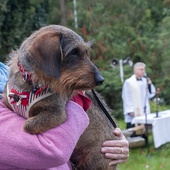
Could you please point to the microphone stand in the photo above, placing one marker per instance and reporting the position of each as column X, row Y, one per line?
column 146, row 119
column 157, row 92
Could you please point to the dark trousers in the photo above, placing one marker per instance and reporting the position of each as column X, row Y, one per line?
column 129, row 125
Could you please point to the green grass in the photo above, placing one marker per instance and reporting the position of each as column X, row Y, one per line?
column 158, row 159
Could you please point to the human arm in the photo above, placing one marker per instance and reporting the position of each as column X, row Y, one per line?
column 151, row 91
column 3, row 76
column 117, row 150
column 50, row 149
column 151, row 88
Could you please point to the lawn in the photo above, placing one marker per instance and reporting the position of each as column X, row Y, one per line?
column 144, row 158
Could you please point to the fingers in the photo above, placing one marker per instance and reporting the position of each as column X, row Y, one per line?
column 116, row 157
column 116, row 150
column 117, row 132
column 119, row 155
column 116, row 143
column 114, row 162
column 122, row 142
column 116, row 153
column 111, row 153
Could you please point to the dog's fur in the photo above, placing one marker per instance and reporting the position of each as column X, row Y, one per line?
column 58, row 57
column 87, row 154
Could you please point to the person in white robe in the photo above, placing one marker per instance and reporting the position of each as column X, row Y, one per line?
column 136, row 93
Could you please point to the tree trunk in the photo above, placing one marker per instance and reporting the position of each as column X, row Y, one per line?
column 63, row 12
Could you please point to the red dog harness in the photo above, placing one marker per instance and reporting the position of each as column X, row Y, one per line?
column 22, row 101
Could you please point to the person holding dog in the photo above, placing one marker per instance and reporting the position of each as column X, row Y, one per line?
column 53, row 148
column 136, row 92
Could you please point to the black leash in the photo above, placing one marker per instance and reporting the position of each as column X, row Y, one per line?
column 104, row 109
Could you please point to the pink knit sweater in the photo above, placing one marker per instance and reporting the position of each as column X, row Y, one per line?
column 48, row 151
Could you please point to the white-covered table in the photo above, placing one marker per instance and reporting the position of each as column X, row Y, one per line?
column 160, row 126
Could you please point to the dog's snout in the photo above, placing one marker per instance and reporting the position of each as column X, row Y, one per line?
column 99, row 79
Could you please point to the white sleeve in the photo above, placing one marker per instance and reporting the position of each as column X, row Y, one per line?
column 153, row 92
column 127, row 98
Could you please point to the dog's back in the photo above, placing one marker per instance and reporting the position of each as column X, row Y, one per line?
column 87, row 154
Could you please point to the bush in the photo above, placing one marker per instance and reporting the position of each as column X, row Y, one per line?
column 111, row 90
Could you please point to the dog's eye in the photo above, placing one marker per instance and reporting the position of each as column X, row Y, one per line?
column 74, row 51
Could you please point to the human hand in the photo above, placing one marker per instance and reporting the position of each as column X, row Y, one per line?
column 117, row 150
column 149, row 81
column 131, row 114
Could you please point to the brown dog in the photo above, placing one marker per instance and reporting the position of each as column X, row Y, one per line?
column 45, row 72
column 86, row 155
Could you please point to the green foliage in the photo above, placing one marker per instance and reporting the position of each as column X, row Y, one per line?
column 19, row 19
column 111, row 89
column 139, row 29
column 120, row 29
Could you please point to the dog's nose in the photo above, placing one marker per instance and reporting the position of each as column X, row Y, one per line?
column 99, row 79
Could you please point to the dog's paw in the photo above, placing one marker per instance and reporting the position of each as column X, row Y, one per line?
column 31, row 127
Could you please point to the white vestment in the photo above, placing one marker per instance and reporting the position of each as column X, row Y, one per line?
column 136, row 95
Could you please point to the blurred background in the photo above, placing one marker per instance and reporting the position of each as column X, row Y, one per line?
column 120, row 29
column 123, row 31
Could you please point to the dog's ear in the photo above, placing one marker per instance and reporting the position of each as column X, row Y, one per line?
column 46, row 53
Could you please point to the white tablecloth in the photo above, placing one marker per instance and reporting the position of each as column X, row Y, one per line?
column 160, row 126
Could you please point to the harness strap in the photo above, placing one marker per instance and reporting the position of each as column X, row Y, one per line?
column 9, row 97
column 37, row 99
column 104, row 109
column 23, row 108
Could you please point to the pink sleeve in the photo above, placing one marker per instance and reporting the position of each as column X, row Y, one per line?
column 50, row 149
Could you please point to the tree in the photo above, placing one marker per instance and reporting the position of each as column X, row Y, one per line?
column 120, row 29
column 19, row 19
column 63, row 12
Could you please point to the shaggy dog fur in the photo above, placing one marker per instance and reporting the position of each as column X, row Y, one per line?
column 55, row 60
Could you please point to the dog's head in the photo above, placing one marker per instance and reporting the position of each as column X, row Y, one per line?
column 60, row 57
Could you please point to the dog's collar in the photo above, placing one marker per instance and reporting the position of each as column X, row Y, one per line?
column 26, row 74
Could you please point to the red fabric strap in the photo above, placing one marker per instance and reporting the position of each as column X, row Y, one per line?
column 82, row 100
column 23, row 97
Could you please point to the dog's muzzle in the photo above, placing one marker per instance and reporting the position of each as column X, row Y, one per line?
column 98, row 79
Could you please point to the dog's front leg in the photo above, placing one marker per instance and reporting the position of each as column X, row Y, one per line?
column 44, row 121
